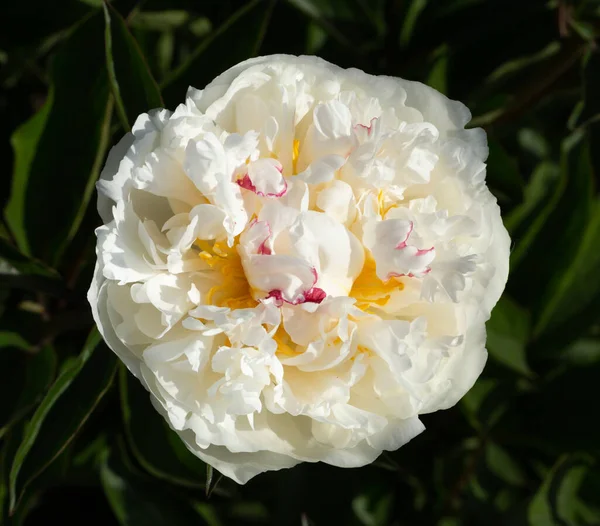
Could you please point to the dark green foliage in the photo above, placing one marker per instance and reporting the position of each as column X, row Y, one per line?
column 79, row 439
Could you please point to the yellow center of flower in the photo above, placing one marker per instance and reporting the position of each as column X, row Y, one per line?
column 285, row 345
column 233, row 290
column 295, row 155
column 383, row 204
column 369, row 291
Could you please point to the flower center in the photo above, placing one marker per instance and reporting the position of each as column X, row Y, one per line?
column 369, row 291
column 285, row 345
column 233, row 290
column 295, row 155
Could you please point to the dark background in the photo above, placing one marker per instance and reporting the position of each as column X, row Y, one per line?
column 79, row 440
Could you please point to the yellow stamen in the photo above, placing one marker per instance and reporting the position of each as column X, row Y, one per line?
column 381, row 204
column 295, row 155
column 369, row 291
column 233, row 290
column 284, row 342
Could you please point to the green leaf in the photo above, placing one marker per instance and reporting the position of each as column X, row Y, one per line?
column 14, row 261
column 438, row 74
column 156, row 447
column 579, row 285
column 136, row 500
column 200, row 27
column 485, row 403
column 61, row 414
column 13, row 339
column 559, row 238
column 24, row 142
column 239, row 38
column 526, row 220
column 60, row 150
column 132, row 84
column 575, row 282
column 211, row 481
column 533, row 142
column 324, row 12
column 24, row 379
column 507, row 335
column 581, row 352
column 503, row 465
column 414, row 10
column 591, row 88
column 159, row 20
column 524, row 63
column 373, row 510
column 165, row 48
column 503, row 175
column 557, row 501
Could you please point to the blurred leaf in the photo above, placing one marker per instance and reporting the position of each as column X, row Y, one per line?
column 533, row 142
column 165, row 48
column 580, row 283
column 410, row 19
column 24, row 378
column 156, row 447
column 507, row 335
column 540, row 197
column 581, row 352
column 249, row 511
column 37, row 284
column 209, row 514
column 132, row 84
column 23, row 30
column 136, row 500
column 530, row 90
column 13, row 339
column 159, row 20
column 24, row 142
column 522, row 63
column 10, row 444
column 503, row 172
column 60, row 150
column 438, row 74
column 21, row 264
column 591, row 88
column 200, row 27
column 323, row 9
column 576, row 282
column 91, row 456
column 503, row 465
column 323, row 12
column 211, row 481
column 558, row 235
column 316, row 37
column 485, row 403
column 239, row 38
column 556, row 501
column 373, row 510
column 62, row 413
column 569, row 392
column 585, row 31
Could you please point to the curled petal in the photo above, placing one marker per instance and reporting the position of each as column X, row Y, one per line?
column 264, row 178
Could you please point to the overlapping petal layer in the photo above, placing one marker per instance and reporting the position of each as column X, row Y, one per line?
column 298, row 262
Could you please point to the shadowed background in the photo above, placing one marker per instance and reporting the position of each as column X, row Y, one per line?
column 79, row 440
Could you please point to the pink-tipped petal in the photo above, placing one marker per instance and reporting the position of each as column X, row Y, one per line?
column 256, row 237
column 314, row 295
column 264, row 178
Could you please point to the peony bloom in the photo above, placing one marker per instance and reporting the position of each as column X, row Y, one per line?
column 298, row 262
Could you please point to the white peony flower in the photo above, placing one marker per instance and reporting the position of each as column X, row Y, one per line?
column 298, row 262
